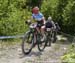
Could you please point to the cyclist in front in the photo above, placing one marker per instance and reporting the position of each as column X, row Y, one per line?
column 39, row 18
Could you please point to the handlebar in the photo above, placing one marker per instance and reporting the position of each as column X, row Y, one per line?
column 28, row 22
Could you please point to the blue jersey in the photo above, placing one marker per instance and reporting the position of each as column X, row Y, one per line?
column 37, row 16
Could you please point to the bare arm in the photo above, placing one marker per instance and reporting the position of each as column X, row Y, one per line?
column 53, row 24
column 43, row 18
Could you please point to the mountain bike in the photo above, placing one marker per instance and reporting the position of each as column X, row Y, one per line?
column 32, row 38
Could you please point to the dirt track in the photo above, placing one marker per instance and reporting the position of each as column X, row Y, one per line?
column 13, row 54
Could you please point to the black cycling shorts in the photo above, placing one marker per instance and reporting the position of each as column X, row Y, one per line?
column 39, row 23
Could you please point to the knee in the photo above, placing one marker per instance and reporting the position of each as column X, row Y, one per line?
column 43, row 27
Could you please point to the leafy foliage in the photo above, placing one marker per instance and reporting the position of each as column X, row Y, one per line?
column 13, row 13
column 69, row 57
column 12, row 17
column 62, row 11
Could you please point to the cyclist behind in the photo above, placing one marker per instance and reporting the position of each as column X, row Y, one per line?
column 39, row 18
column 50, row 23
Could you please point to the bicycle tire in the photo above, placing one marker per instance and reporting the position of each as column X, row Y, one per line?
column 48, row 42
column 54, row 37
column 23, row 42
column 39, row 43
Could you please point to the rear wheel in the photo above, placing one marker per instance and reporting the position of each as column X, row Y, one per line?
column 41, row 44
column 27, row 43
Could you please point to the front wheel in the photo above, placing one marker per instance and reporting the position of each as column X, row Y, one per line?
column 48, row 35
column 27, row 43
column 54, row 36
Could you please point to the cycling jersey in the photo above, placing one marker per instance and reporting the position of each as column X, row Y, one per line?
column 38, row 16
column 49, row 24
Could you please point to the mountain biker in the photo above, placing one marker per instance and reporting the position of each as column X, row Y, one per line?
column 50, row 23
column 39, row 18
column 57, row 27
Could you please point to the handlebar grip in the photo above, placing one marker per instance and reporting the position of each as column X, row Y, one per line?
column 27, row 22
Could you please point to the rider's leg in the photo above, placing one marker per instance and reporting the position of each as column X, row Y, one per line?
column 43, row 32
column 42, row 29
column 37, row 28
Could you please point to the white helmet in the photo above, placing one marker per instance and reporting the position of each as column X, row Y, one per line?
column 49, row 18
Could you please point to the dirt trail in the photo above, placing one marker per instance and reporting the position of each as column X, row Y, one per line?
column 13, row 54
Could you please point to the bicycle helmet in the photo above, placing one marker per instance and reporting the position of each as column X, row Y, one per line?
column 35, row 10
column 49, row 18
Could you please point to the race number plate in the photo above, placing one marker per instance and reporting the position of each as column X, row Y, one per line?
column 48, row 29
